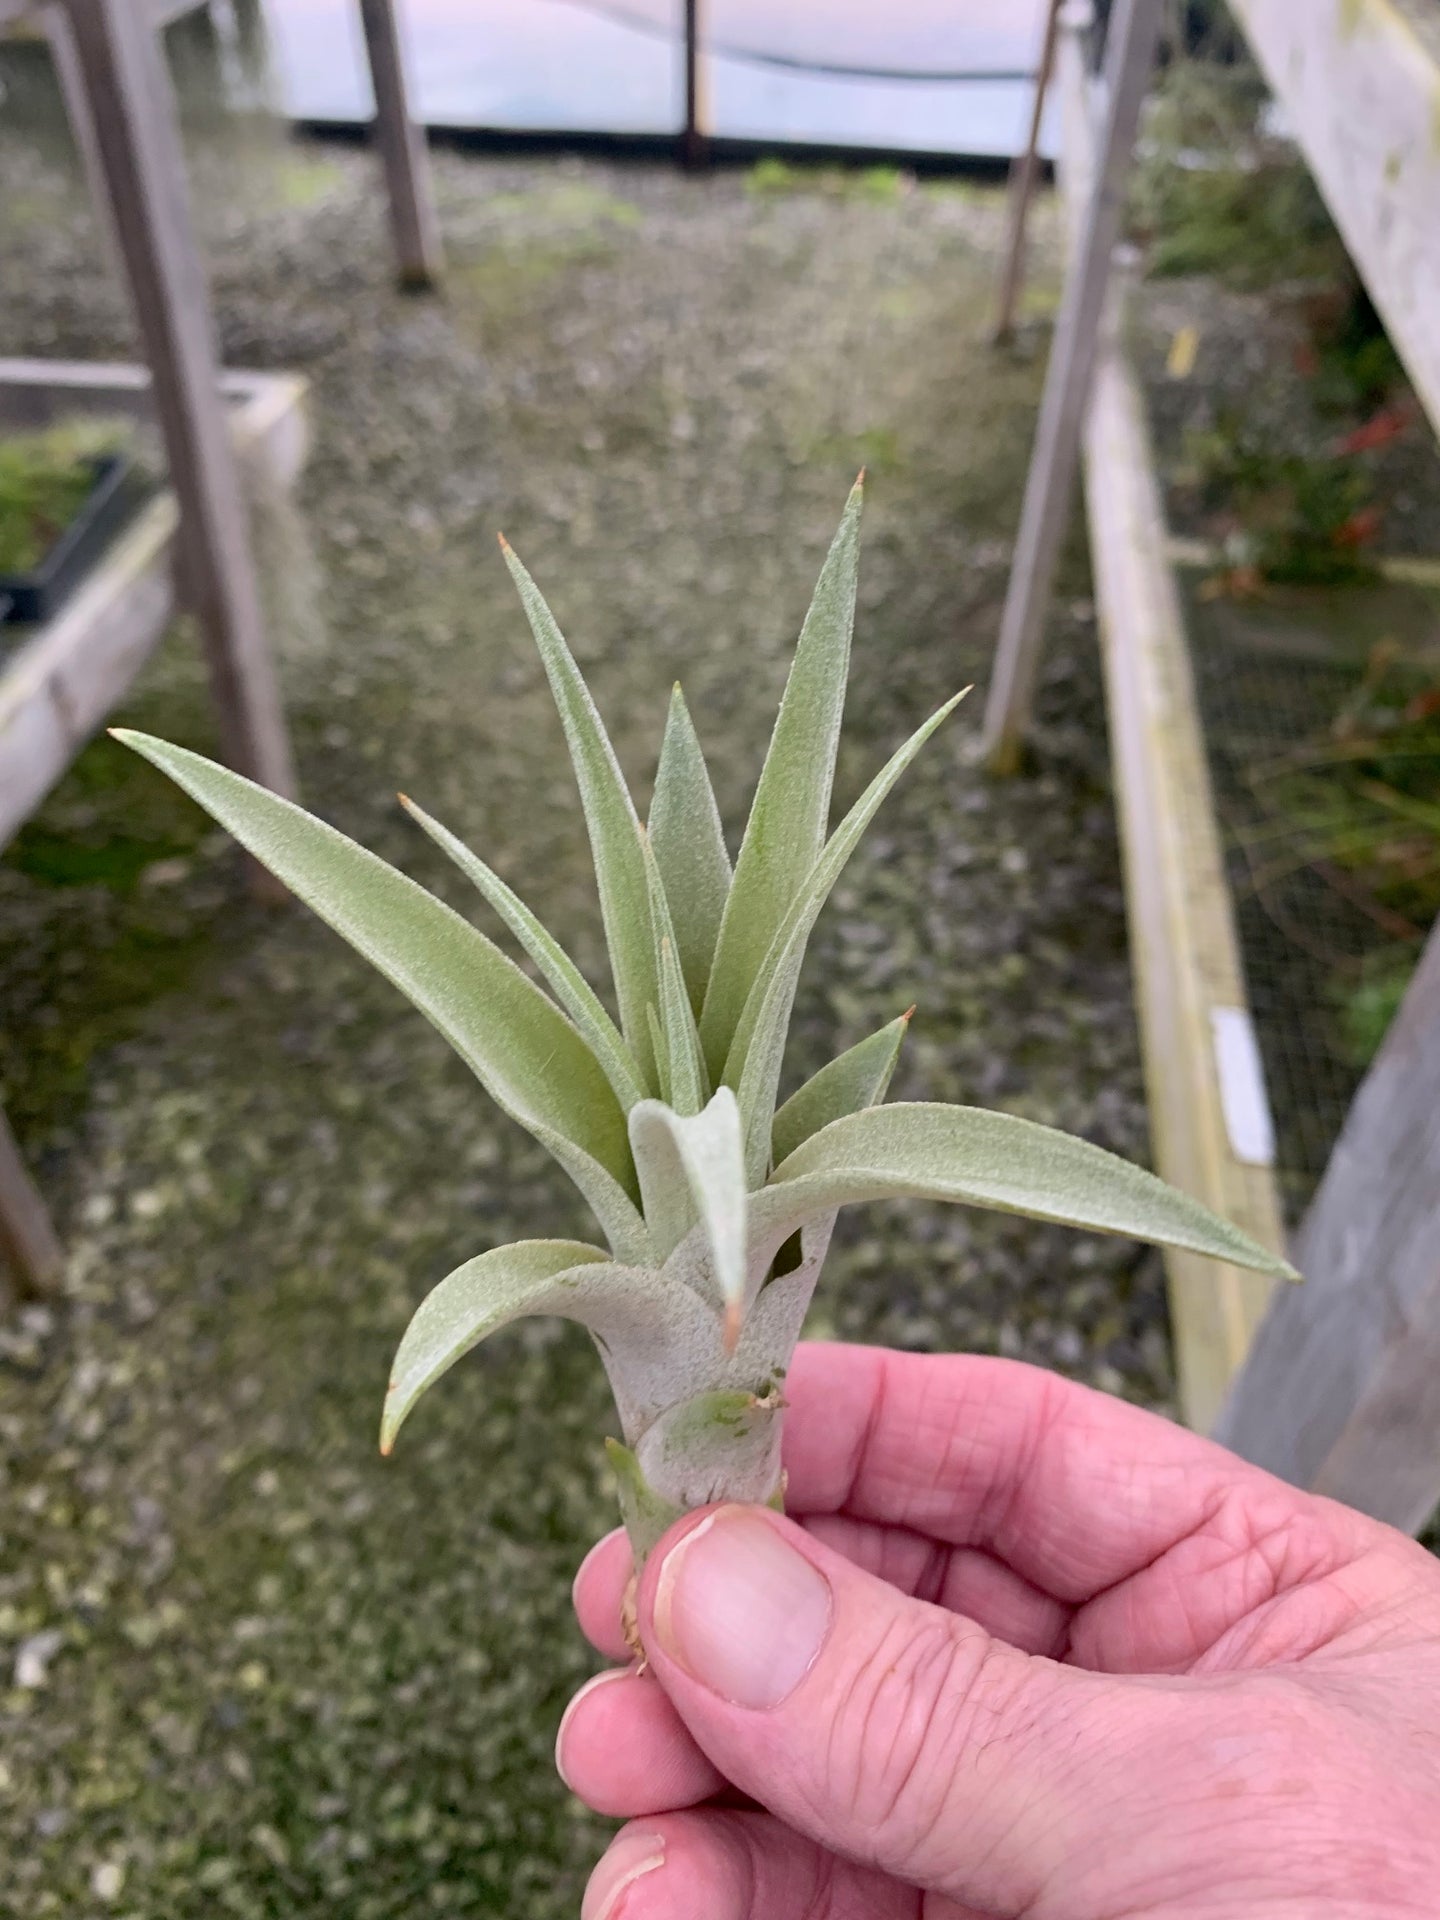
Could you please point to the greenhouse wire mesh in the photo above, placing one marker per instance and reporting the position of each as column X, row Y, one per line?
column 1274, row 695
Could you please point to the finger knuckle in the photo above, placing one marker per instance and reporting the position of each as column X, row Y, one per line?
column 917, row 1709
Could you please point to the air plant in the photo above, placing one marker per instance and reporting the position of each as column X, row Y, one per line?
column 716, row 1204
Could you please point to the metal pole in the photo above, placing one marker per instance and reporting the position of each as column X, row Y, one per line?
column 1023, row 176
column 694, row 146
column 413, row 222
column 1050, row 486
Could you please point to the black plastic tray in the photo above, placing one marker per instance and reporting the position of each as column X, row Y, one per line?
column 37, row 595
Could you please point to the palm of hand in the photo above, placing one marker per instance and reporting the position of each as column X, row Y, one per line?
column 1174, row 1688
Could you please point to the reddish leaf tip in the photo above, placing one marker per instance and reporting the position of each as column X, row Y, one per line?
column 734, row 1316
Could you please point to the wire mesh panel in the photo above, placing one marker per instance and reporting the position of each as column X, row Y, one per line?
column 1319, row 722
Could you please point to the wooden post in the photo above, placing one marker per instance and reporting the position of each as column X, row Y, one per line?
column 694, row 143
column 1049, row 488
column 1023, row 176
column 28, row 1246
column 1342, row 1389
column 1359, row 84
column 82, row 130
column 138, row 141
column 401, row 141
column 1205, row 1094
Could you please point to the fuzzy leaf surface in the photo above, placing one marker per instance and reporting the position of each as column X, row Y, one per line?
column 695, row 1160
column 720, row 1445
column 647, row 1515
column 683, row 1080
column 791, row 808
column 563, row 1277
column 611, row 822
column 984, row 1159
column 689, row 846
column 517, row 1042
column 758, row 1051
column 565, row 979
column 854, row 1079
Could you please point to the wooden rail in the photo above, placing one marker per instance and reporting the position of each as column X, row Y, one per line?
column 69, row 674
column 1209, row 1120
column 1050, row 483
column 1342, row 1390
column 1359, row 81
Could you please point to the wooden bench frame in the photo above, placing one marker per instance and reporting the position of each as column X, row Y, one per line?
column 1335, row 1384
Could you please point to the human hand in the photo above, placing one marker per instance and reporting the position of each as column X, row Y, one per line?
column 1020, row 1649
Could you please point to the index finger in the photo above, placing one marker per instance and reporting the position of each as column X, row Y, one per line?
column 1068, row 1486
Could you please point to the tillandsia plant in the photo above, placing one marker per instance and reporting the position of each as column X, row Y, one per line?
column 716, row 1203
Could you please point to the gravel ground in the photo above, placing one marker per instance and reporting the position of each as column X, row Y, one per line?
column 249, row 1668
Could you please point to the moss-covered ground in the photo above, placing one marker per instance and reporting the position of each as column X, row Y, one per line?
column 248, row 1668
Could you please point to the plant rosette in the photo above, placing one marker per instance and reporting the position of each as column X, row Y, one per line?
column 716, row 1203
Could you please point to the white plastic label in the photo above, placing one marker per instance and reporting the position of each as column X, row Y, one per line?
column 1242, row 1087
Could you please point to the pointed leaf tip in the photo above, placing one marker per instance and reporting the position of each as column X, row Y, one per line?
column 791, row 807
column 975, row 1157
column 510, row 1034
column 734, row 1321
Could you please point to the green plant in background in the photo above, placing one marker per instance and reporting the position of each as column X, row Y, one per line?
column 1369, row 1004
column 1357, row 806
column 1214, row 191
column 45, row 478
column 716, row 1201
column 1294, row 516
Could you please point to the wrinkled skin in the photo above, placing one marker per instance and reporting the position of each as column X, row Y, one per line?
column 1046, row 1656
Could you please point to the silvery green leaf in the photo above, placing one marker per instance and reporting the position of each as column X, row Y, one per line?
column 565, row 979
column 611, row 821
column 689, row 1086
column 720, row 1445
column 791, row 808
column 677, row 1348
column 758, row 1050
column 620, row 1219
column 689, row 846
column 854, row 1079
column 976, row 1158
column 517, row 1042
column 697, row 1159
column 562, row 1277
column 662, row 1052
column 647, row 1514
column 682, row 1071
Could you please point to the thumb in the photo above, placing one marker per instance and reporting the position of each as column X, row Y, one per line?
column 889, row 1730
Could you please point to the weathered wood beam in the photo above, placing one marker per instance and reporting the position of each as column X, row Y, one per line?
column 1359, row 82
column 1341, row 1392
column 82, row 128
column 29, row 1249
column 69, row 675
column 694, row 140
column 1205, row 1094
column 134, row 117
column 1050, row 486
column 401, row 140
